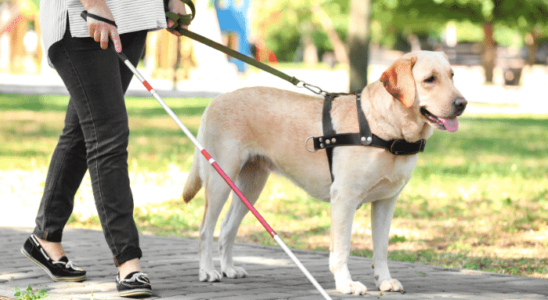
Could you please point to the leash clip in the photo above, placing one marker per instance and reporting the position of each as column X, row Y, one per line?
column 314, row 89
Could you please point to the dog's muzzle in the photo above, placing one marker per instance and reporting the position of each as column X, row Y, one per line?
column 459, row 104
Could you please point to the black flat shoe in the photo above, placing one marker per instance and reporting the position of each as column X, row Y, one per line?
column 135, row 284
column 61, row 270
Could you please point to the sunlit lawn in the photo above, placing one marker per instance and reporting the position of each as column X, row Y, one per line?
column 478, row 198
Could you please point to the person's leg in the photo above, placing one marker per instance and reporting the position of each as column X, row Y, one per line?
column 97, row 82
column 67, row 168
column 133, row 48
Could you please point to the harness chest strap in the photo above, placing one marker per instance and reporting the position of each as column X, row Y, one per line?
column 396, row 147
column 331, row 139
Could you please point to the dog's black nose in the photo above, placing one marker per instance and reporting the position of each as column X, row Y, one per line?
column 460, row 104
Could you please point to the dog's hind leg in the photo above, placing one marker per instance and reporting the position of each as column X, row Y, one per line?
column 250, row 181
column 216, row 194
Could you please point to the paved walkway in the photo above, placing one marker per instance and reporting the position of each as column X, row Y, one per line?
column 172, row 265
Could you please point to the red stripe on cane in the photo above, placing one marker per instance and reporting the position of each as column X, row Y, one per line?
column 206, row 155
column 148, row 86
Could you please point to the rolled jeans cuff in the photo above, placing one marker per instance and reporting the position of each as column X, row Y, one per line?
column 49, row 236
column 128, row 254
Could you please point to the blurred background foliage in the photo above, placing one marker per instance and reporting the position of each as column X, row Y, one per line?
column 284, row 23
column 27, row 7
column 291, row 29
column 287, row 21
column 393, row 21
column 493, row 33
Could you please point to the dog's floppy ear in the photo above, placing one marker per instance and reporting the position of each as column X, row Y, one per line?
column 399, row 82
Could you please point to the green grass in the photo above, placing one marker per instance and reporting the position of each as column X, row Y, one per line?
column 478, row 198
column 35, row 122
column 29, row 294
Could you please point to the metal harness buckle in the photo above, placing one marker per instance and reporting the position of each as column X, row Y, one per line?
column 306, row 145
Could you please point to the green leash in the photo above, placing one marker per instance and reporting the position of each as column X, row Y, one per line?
column 184, row 20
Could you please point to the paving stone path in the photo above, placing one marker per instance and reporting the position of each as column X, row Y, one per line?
column 172, row 265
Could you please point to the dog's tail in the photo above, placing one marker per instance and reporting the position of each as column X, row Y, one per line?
column 193, row 182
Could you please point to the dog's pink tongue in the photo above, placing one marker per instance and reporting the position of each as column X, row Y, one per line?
column 452, row 125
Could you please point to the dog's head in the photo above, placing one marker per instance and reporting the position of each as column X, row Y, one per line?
column 423, row 80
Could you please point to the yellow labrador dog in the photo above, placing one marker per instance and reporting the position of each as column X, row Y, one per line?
column 255, row 131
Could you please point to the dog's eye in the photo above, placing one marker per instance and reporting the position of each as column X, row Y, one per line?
column 430, row 79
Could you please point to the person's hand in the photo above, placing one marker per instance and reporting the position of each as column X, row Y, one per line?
column 101, row 31
column 178, row 7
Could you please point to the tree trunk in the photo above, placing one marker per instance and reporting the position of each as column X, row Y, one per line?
column 531, row 39
column 338, row 46
column 358, row 43
column 310, row 55
column 17, row 48
column 39, row 49
column 176, row 65
column 414, row 41
column 489, row 53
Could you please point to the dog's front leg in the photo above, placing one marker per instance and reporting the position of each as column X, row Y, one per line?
column 381, row 217
column 342, row 215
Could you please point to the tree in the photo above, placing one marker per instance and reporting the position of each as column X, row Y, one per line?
column 358, row 43
column 325, row 21
column 338, row 46
column 486, row 13
column 508, row 12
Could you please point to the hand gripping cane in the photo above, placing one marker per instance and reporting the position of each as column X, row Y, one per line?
column 210, row 159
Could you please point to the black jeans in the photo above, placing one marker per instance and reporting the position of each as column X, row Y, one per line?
column 95, row 137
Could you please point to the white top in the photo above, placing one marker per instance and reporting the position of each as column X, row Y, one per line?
column 129, row 15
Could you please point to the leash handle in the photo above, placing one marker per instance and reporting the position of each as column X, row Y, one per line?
column 182, row 20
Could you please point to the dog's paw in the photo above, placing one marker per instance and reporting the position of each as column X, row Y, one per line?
column 391, row 285
column 234, row 272
column 211, row 276
column 352, row 287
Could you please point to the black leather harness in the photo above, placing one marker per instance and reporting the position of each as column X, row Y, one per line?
column 331, row 139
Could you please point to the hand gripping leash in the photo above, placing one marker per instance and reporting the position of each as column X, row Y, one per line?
column 210, row 159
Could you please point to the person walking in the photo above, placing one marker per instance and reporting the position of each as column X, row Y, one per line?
column 95, row 134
